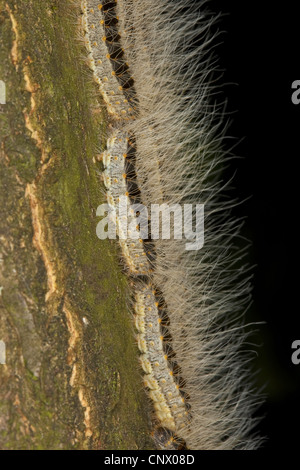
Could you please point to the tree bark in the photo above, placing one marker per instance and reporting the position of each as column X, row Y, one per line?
column 71, row 378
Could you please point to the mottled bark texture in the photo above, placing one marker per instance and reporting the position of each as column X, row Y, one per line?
column 71, row 378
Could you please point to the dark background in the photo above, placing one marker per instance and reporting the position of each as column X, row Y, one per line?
column 259, row 54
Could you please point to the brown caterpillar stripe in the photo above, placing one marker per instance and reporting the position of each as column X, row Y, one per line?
column 115, row 181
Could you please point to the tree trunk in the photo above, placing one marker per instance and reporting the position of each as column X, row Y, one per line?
column 70, row 378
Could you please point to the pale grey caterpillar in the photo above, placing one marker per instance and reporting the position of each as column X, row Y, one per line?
column 150, row 60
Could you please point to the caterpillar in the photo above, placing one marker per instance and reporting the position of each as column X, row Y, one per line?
column 151, row 63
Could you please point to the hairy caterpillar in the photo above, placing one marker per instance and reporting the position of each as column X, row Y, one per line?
column 103, row 59
column 162, row 147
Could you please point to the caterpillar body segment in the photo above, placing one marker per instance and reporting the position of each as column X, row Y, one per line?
column 124, row 13
column 159, row 378
column 100, row 62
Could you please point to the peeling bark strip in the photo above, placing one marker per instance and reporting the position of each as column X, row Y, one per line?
column 70, row 380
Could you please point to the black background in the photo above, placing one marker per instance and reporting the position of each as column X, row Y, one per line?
column 260, row 59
